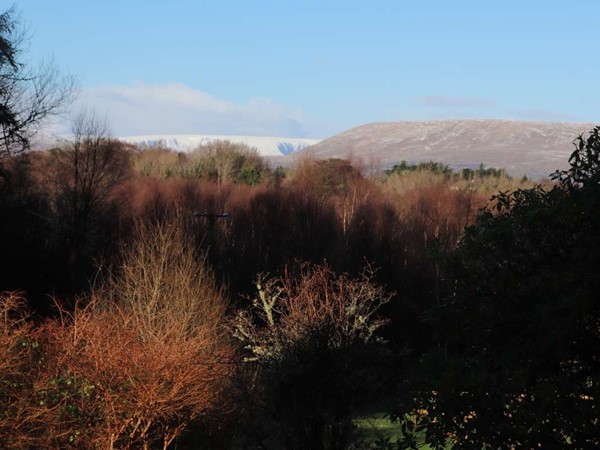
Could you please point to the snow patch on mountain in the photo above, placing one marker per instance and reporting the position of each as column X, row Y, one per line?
column 266, row 145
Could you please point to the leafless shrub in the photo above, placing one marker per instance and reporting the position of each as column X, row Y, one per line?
column 125, row 391
column 287, row 311
column 170, row 293
column 314, row 337
column 13, row 328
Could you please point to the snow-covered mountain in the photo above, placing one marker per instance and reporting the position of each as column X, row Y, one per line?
column 533, row 148
column 266, row 145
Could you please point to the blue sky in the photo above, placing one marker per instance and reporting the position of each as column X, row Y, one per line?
column 315, row 68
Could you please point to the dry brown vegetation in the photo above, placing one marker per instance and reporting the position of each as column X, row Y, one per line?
column 137, row 353
column 133, row 392
column 16, row 339
column 131, row 366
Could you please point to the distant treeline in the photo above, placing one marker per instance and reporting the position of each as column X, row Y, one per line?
column 67, row 209
column 445, row 170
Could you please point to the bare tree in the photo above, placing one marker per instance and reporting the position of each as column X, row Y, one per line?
column 28, row 95
column 83, row 176
column 85, row 172
column 91, row 165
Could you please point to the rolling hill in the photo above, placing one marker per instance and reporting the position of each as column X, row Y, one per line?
column 533, row 148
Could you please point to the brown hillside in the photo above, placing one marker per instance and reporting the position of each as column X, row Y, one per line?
column 533, row 148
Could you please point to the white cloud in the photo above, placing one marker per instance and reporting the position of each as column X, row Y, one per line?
column 142, row 109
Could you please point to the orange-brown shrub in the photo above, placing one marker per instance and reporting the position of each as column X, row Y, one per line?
column 131, row 366
column 17, row 346
column 118, row 389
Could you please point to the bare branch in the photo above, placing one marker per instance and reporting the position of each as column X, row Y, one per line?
column 28, row 96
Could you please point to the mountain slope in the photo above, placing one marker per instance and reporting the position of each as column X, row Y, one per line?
column 533, row 148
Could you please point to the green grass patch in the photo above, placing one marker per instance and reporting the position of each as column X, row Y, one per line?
column 377, row 431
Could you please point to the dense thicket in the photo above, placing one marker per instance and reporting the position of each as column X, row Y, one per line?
column 501, row 327
column 75, row 206
column 517, row 363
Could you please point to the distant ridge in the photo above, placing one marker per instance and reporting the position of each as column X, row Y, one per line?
column 266, row 145
column 533, row 148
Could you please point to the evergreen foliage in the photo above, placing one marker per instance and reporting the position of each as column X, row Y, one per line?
column 517, row 363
